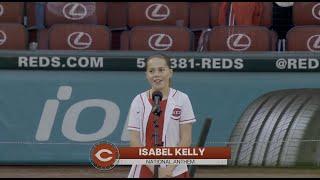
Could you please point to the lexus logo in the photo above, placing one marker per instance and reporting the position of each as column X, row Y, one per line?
column 238, row 42
column 3, row 37
column 316, row 11
column 79, row 40
column 157, row 12
column 74, row 11
column 160, row 42
column 1, row 10
column 313, row 43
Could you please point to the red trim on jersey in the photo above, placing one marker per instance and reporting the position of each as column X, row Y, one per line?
column 142, row 119
column 187, row 120
column 133, row 127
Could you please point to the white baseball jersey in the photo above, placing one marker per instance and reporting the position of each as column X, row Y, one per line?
column 178, row 111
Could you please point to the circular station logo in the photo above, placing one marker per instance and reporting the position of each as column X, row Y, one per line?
column 104, row 156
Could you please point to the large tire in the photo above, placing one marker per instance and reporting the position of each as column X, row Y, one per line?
column 280, row 128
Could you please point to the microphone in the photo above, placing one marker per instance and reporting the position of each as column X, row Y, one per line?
column 156, row 97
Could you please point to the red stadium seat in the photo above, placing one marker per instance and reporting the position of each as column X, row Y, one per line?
column 199, row 15
column 266, row 17
column 75, row 12
column 158, row 13
column 304, row 38
column 241, row 38
column 306, row 13
column 117, row 20
column 157, row 38
column 214, row 13
column 11, row 12
column 76, row 37
column 117, row 13
column 267, row 14
column 13, row 36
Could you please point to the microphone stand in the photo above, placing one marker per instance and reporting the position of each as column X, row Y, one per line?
column 156, row 113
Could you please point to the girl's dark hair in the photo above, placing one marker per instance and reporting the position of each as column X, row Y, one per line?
column 160, row 56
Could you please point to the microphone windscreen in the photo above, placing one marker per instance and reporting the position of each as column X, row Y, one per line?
column 158, row 94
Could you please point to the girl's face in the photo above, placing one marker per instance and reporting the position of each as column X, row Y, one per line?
column 158, row 73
